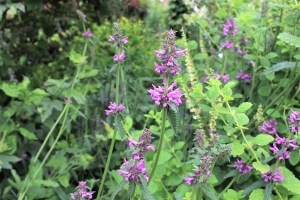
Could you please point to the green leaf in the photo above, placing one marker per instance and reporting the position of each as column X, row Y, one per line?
column 28, row 134
column 237, row 149
column 46, row 183
column 260, row 167
column 131, row 189
column 89, row 73
column 271, row 55
column 64, row 179
column 10, row 90
column 179, row 145
column 222, row 110
column 233, row 195
column 6, row 160
column 290, row 182
column 209, row 193
column 117, row 190
column 172, row 118
column 263, row 139
column 244, row 107
column 253, row 186
column 119, row 126
column 290, row 39
column 192, row 45
column 257, row 194
column 294, row 158
column 164, row 157
column 280, row 66
column 241, row 119
column 77, row 58
column 268, row 191
column 145, row 190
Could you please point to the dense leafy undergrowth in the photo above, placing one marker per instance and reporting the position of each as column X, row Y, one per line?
column 123, row 111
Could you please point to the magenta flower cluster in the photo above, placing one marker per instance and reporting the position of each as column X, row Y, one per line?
column 135, row 169
column 271, row 176
column 294, row 121
column 269, row 127
column 87, row 33
column 82, row 193
column 119, row 41
column 242, row 167
column 168, row 56
column 223, row 78
column 162, row 97
column 281, row 145
column 113, row 108
column 244, row 77
column 229, row 28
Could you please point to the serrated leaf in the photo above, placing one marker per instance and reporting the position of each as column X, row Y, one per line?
column 290, row 39
column 119, row 127
column 172, row 117
column 10, row 90
column 253, row 186
column 209, row 193
column 89, row 73
column 244, row 107
column 294, row 158
column 145, row 190
column 290, row 182
column 280, row 66
column 263, row 139
column 268, row 191
column 173, row 106
column 164, row 157
column 6, row 160
column 257, row 194
column 260, row 167
column 28, row 134
column 117, row 190
column 179, row 145
column 131, row 189
column 241, row 119
column 46, row 183
column 237, row 149
column 77, row 58
column 64, row 179
column 232, row 195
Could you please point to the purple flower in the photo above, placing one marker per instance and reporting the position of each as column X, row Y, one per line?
column 281, row 146
column 111, row 38
column 87, row 33
column 160, row 96
column 227, row 45
column 133, row 169
column 143, row 145
column 242, row 167
column 169, row 55
column 81, row 192
column 120, row 58
column 113, row 108
column 240, row 52
column 269, row 127
column 294, row 121
column 230, row 28
column 117, row 37
column 224, row 78
column 269, row 176
column 243, row 77
column 189, row 180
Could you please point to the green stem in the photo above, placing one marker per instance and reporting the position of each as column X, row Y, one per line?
column 112, row 144
column 49, row 134
column 243, row 134
column 160, row 143
column 227, row 187
column 28, row 184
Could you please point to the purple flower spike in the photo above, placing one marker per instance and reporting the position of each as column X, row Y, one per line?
column 133, row 169
column 269, row 127
column 113, row 108
column 244, row 77
column 87, row 33
column 120, row 58
column 81, row 193
column 227, row 45
column 168, row 56
column 242, row 167
column 230, row 28
column 159, row 96
column 294, row 121
column 270, row 177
